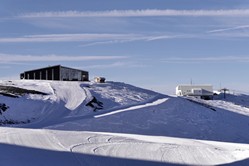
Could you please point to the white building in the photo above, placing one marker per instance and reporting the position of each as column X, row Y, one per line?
column 201, row 91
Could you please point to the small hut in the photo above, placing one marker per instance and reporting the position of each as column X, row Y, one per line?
column 99, row 79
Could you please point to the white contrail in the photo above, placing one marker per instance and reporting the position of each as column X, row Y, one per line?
column 137, row 13
column 35, row 58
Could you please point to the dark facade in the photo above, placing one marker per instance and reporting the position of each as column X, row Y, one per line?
column 59, row 73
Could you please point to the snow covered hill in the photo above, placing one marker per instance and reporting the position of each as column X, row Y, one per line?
column 75, row 123
column 66, row 99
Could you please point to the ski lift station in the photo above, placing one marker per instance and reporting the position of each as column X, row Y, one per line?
column 200, row 91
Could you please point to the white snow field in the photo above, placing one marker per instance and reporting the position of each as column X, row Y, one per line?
column 75, row 123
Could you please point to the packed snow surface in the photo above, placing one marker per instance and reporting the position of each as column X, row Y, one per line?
column 122, row 125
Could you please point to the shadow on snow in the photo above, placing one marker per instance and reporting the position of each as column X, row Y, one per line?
column 25, row 156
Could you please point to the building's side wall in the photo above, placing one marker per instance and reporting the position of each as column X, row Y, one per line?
column 50, row 73
column 22, row 76
column 56, row 73
column 184, row 90
column 84, row 76
column 68, row 74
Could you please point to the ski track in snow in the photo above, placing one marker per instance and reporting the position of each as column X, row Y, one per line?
column 157, row 149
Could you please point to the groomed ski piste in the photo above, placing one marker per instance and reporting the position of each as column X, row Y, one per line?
column 113, row 123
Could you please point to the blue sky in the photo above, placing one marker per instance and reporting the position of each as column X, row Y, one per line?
column 155, row 44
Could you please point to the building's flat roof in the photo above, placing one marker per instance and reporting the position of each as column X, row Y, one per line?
column 196, row 85
column 54, row 67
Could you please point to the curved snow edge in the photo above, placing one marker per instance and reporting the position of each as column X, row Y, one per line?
column 153, row 101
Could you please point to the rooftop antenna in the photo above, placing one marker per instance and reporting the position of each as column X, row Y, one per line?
column 191, row 82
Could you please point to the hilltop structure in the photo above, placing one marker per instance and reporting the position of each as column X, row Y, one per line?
column 58, row 72
column 99, row 79
column 200, row 91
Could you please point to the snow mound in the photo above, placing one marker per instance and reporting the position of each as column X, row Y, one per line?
column 117, row 94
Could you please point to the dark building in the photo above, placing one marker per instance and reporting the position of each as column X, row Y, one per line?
column 59, row 73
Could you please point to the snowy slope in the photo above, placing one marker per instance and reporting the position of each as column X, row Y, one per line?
column 134, row 127
column 66, row 99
